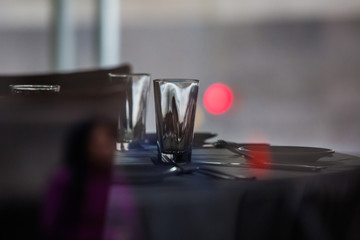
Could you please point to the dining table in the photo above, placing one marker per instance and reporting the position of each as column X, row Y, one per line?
column 261, row 202
column 296, row 198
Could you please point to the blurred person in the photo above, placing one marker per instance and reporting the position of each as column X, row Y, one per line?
column 76, row 202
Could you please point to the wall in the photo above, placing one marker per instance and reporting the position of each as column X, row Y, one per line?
column 295, row 80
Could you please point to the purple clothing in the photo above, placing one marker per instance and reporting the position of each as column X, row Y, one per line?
column 67, row 217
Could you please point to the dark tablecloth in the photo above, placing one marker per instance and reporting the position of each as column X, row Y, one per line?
column 279, row 204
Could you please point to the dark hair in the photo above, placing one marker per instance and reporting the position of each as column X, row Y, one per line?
column 77, row 152
column 77, row 161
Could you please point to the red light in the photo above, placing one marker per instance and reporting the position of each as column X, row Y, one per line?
column 261, row 156
column 218, row 98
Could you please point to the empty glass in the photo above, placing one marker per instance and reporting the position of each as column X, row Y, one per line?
column 34, row 89
column 175, row 105
column 132, row 91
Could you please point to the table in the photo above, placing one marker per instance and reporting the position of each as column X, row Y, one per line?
column 281, row 204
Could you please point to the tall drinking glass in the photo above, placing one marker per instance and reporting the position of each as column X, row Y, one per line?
column 132, row 91
column 175, row 105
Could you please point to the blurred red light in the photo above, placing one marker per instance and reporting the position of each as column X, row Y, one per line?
column 218, row 98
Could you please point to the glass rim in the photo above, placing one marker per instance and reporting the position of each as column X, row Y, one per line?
column 34, row 87
column 191, row 80
column 128, row 75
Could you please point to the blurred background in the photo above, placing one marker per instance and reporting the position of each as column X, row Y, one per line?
column 293, row 67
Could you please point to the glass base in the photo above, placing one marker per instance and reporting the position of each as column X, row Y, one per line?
column 176, row 157
column 122, row 146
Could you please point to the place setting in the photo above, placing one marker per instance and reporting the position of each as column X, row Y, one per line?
column 175, row 149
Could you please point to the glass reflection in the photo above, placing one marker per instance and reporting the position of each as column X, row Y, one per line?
column 132, row 91
column 175, row 104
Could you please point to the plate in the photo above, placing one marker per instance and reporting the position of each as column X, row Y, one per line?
column 199, row 138
column 288, row 154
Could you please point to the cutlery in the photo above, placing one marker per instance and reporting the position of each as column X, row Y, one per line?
column 238, row 148
column 214, row 173
column 279, row 166
column 186, row 169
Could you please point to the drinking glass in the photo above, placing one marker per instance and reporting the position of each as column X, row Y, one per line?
column 132, row 92
column 34, row 89
column 175, row 105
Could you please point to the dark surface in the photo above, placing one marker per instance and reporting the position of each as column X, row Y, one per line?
column 20, row 218
column 280, row 204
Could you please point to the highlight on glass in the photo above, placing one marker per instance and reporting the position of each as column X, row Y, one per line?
column 34, row 89
column 132, row 91
column 175, row 106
